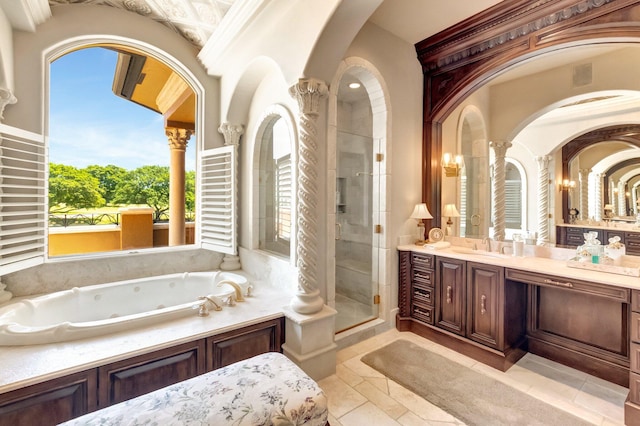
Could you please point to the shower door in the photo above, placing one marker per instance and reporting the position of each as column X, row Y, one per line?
column 356, row 183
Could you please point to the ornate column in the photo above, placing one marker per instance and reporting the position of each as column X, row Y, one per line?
column 613, row 199
column 543, row 199
column 622, row 199
column 584, row 193
column 308, row 93
column 232, row 133
column 178, row 139
column 599, row 178
column 6, row 98
column 500, row 149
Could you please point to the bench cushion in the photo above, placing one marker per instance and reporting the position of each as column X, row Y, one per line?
column 267, row 389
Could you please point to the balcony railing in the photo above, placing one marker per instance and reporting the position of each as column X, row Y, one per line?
column 82, row 219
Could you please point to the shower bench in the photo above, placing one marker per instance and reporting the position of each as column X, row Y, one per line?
column 265, row 389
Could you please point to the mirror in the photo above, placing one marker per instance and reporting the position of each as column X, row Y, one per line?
column 564, row 98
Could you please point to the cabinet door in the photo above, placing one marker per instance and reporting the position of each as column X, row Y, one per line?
column 133, row 377
column 238, row 345
column 450, row 294
column 485, row 286
column 51, row 402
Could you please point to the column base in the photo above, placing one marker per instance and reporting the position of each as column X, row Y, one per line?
column 310, row 341
column 230, row 263
column 307, row 303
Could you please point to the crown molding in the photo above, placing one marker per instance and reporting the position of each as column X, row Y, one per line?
column 26, row 15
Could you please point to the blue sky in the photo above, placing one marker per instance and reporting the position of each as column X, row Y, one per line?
column 88, row 124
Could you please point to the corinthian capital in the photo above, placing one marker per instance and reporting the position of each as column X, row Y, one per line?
column 308, row 93
column 178, row 138
column 231, row 133
column 6, row 98
column 500, row 147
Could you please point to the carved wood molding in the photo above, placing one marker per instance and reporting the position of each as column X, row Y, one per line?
column 462, row 58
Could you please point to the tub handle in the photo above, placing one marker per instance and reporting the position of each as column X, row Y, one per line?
column 217, row 307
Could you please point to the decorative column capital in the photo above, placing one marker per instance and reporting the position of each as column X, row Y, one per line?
column 231, row 133
column 500, row 147
column 6, row 98
column 308, row 92
column 543, row 161
column 178, row 138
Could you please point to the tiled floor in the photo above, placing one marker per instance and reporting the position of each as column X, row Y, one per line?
column 352, row 312
column 359, row 395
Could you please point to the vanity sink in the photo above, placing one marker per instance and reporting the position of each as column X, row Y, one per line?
column 465, row 250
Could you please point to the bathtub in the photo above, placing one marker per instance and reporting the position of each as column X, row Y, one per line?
column 95, row 310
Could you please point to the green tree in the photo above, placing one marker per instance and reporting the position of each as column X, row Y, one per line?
column 110, row 177
column 71, row 188
column 145, row 185
column 190, row 190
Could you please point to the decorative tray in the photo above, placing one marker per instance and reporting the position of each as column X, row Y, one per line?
column 629, row 265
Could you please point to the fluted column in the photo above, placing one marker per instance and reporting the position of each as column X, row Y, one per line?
column 6, row 98
column 178, row 139
column 543, row 199
column 584, row 193
column 622, row 199
column 500, row 149
column 308, row 93
column 598, row 205
column 232, row 133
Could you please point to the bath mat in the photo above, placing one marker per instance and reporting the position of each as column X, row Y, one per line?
column 465, row 394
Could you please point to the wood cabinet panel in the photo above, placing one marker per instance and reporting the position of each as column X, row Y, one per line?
column 634, row 388
column 51, row 402
column 635, row 300
column 485, row 307
column 450, row 294
column 136, row 376
column 237, row 345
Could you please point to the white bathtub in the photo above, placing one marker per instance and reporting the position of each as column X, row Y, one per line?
column 106, row 308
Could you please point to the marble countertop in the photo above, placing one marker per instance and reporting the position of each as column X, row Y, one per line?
column 25, row 365
column 613, row 226
column 546, row 265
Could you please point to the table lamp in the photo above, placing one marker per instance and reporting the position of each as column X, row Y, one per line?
column 421, row 212
column 450, row 211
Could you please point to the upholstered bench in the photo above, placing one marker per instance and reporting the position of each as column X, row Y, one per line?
column 267, row 389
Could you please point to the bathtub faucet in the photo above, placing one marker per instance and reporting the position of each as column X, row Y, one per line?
column 236, row 287
column 203, row 311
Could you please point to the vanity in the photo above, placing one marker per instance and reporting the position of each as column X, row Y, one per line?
column 495, row 308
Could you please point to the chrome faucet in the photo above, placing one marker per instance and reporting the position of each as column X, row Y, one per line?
column 236, row 287
column 487, row 242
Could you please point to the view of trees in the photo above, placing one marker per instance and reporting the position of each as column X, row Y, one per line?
column 95, row 186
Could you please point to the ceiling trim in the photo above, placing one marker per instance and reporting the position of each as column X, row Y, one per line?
column 26, row 15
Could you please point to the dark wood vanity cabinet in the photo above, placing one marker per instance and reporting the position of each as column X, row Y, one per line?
column 571, row 236
column 451, row 287
column 485, row 307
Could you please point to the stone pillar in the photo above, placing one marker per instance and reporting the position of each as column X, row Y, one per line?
column 598, row 205
column 232, row 133
column 500, row 150
column 584, row 193
column 6, row 98
column 613, row 199
column 178, row 139
column 543, row 199
column 622, row 199
column 308, row 93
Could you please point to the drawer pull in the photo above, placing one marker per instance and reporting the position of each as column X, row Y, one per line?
column 449, row 294
column 420, row 311
column 424, row 277
column 560, row 283
column 483, row 304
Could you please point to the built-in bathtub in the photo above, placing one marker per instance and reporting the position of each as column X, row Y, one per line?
column 106, row 308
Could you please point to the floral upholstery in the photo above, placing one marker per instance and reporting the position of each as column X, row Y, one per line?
column 267, row 389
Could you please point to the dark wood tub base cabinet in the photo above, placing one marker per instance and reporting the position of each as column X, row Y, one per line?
column 64, row 398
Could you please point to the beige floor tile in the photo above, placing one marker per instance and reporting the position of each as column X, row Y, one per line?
column 381, row 400
column 601, row 400
column 421, row 407
column 349, row 376
column 568, row 406
column 380, row 383
column 367, row 414
column 362, row 369
column 341, row 397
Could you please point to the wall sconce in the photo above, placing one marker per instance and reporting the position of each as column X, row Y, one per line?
column 567, row 185
column 421, row 212
column 450, row 211
column 451, row 165
column 608, row 212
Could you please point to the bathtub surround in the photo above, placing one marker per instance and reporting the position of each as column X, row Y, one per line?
column 4, row 294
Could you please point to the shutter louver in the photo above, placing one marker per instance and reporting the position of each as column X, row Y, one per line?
column 283, row 195
column 217, row 199
column 23, row 199
column 513, row 204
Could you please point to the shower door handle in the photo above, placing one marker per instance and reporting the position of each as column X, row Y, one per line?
column 338, row 231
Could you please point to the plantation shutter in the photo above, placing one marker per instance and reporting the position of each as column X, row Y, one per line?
column 283, row 198
column 513, row 204
column 23, row 199
column 217, row 199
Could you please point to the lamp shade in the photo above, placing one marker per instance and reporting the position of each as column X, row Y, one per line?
column 421, row 212
column 450, row 211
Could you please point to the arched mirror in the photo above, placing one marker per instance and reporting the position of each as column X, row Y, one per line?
column 534, row 86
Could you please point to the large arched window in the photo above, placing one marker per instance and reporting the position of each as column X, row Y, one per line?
column 275, row 180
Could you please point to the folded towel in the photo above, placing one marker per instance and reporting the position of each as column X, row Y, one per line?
column 437, row 245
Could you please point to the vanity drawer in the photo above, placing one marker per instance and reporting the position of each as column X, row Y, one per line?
column 634, row 388
column 423, row 278
column 423, row 294
column 635, row 327
column 422, row 261
column 634, row 358
column 635, row 300
column 422, row 313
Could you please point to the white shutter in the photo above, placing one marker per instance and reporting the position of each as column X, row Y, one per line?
column 23, row 199
column 283, row 198
column 217, row 199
